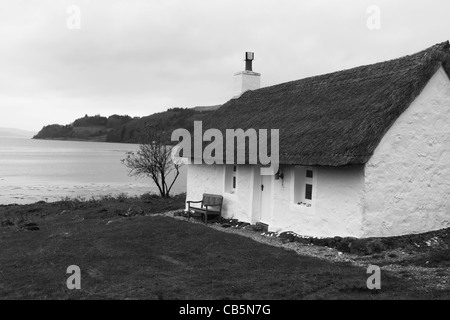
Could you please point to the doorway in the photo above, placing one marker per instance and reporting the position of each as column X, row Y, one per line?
column 266, row 199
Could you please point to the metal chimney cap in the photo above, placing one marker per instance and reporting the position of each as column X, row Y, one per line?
column 249, row 56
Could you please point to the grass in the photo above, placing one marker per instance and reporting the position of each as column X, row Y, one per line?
column 147, row 256
column 432, row 259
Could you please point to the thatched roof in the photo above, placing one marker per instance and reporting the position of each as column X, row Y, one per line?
column 339, row 118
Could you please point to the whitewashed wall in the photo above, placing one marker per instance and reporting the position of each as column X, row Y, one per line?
column 336, row 210
column 408, row 177
column 203, row 179
column 239, row 205
column 336, row 207
column 211, row 178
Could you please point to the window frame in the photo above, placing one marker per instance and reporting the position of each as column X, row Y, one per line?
column 301, row 179
column 230, row 179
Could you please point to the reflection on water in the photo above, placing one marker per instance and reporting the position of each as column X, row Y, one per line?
column 34, row 170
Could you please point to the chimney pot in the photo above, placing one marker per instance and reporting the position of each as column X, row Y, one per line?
column 247, row 79
column 249, row 57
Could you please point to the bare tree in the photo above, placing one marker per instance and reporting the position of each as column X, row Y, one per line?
column 153, row 159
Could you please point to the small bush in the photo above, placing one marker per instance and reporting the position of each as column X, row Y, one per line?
column 122, row 197
column 150, row 196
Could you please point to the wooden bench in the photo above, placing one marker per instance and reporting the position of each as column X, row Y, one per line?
column 210, row 205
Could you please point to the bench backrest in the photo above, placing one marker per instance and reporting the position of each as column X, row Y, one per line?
column 212, row 199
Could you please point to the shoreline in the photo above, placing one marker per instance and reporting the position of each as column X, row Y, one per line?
column 29, row 193
column 83, row 194
column 97, row 139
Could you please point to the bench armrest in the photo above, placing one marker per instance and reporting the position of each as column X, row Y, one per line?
column 194, row 201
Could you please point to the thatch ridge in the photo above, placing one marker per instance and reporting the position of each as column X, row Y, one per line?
column 339, row 118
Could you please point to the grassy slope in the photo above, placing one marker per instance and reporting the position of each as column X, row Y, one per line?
column 155, row 257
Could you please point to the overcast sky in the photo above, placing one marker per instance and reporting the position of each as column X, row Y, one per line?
column 140, row 57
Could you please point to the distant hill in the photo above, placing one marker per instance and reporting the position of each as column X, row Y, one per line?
column 210, row 108
column 122, row 128
column 15, row 133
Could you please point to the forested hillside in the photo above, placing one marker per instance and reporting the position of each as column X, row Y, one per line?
column 123, row 128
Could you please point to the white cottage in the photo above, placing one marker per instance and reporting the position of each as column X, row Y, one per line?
column 363, row 152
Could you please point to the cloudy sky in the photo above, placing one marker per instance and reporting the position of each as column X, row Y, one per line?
column 143, row 56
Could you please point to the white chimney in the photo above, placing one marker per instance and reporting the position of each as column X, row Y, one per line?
column 246, row 80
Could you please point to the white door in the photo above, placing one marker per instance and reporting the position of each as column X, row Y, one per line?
column 266, row 199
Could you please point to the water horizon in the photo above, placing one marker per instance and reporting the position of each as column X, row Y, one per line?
column 33, row 170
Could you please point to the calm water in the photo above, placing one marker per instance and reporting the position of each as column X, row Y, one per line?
column 34, row 170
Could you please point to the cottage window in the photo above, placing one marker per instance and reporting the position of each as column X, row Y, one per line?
column 230, row 178
column 303, row 186
column 308, row 192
